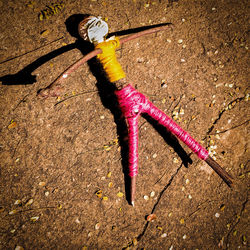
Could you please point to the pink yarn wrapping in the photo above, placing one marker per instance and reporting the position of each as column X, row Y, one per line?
column 132, row 104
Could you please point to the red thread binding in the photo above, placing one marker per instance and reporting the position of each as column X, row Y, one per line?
column 132, row 104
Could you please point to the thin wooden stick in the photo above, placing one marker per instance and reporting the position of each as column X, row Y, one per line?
column 220, row 171
column 46, row 93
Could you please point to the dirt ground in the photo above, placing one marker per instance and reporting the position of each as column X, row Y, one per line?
column 62, row 179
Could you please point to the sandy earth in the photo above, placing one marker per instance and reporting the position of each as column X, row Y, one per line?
column 62, row 179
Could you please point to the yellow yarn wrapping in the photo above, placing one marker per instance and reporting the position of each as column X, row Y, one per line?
column 109, row 61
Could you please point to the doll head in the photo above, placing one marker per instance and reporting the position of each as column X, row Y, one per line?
column 93, row 29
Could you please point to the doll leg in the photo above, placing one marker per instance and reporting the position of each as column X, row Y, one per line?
column 133, row 154
column 173, row 127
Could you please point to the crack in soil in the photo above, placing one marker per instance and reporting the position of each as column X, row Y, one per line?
column 237, row 221
column 139, row 237
column 210, row 129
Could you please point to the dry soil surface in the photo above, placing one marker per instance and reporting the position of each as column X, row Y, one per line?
column 63, row 181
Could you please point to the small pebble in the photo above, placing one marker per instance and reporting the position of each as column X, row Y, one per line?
column 146, row 197
column 164, row 235
column 29, row 202
column 184, row 236
column 154, row 155
column 183, row 60
column 46, row 193
column 97, row 226
column 65, row 75
column 19, row 248
column 217, row 215
column 102, row 117
column 17, row 202
column 152, row 194
column 42, row 184
column 175, row 160
column 180, row 41
column 35, row 218
column 190, row 196
column 187, row 181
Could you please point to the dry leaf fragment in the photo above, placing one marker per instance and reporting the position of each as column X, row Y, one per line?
column 12, row 124
column 222, row 207
column 99, row 193
column 29, row 202
column 44, row 33
column 34, row 219
column 120, row 194
column 13, row 212
column 17, row 202
column 105, row 198
column 97, row 226
column 109, row 174
column 151, row 217
column 182, row 221
column 135, row 242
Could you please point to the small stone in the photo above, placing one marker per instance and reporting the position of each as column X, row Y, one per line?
column 152, row 194
column 97, row 226
column 180, row 41
column 146, row 197
column 184, row 236
column 46, row 193
column 17, row 202
column 19, row 248
column 183, row 60
column 217, row 215
column 164, row 235
column 102, row 117
column 187, row 181
column 34, row 219
column 41, row 183
column 154, row 155
column 175, row 160
column 182, row 221
column 190, row 196
column 169, row 41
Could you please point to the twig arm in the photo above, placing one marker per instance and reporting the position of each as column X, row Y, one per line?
column 54, row 88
